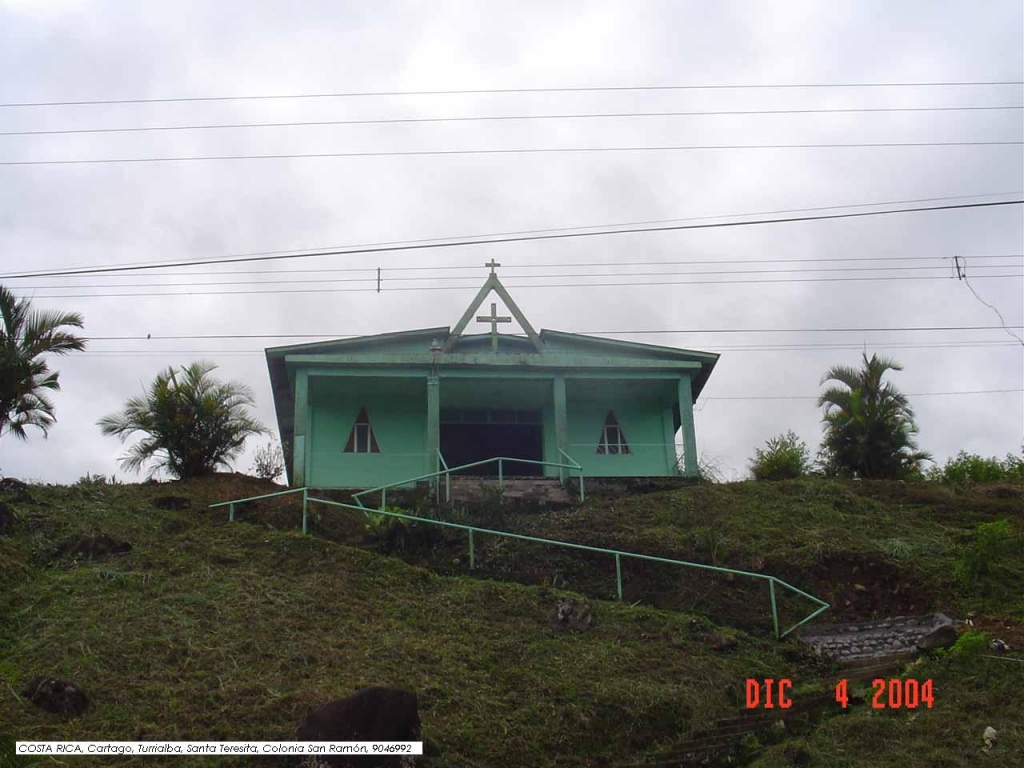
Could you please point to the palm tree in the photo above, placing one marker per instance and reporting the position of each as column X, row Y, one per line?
column 192, row 422
column 25, row 336
column 869, row 426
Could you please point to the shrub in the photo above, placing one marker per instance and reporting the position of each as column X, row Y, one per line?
column 977, row 559
column 268, row 462
column 784, row 456
column 89, row 481
column 972, row 468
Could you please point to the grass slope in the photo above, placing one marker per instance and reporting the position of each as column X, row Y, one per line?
column 211, row 631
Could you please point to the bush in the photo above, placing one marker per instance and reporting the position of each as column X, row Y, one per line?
column 977, row 559
column 268, row 462
column 972, row 468
column 783, row 457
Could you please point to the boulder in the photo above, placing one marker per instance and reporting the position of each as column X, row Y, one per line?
column 943, row 636
column 570, row 615
column 58, row 696
column 371, row 714
column 92, row 547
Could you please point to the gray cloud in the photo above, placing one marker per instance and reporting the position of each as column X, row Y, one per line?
column 70, row 215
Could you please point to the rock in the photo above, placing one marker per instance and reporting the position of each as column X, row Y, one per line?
column 171, row 502
column 943, row 636
column 6, row 519
column 570, row 615
column 58, row 696
column 371, row 714
column 92, row 547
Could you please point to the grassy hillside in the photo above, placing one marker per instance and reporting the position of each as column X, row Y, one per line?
column 207, row 630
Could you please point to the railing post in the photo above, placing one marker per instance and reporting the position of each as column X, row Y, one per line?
column 472, row 554
column 231, row 513
column 618, row 574
column 305, row 509
column 448, row 486
column 383, row 498
column 500, row 478
column 775, row 610
column 582, row 492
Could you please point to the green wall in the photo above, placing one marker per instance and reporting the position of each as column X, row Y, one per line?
column 642, row 424
column 397, row 410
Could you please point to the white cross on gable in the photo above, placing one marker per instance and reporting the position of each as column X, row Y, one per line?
column 494, row 319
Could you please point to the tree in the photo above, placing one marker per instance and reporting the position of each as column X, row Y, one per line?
column 869, row 426
column 192, row 422
column 25, row 376
column 783, row 457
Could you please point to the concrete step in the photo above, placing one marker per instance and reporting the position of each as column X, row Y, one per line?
column 542, row 490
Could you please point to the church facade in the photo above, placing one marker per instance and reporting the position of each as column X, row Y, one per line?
column 372, row 410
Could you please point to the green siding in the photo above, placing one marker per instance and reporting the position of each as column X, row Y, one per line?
column 398, row 413
column 642, row 424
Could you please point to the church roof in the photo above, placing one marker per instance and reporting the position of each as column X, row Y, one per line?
column 446, row 347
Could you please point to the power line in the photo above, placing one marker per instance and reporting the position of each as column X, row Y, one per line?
column 909, row 394
column 889, row 329
column 331, row 248
column 437, row 278
column 617, row 263
column 477, row 91
column 510, row 151
column 277, row 291
column 514, row 239
column 485, row 118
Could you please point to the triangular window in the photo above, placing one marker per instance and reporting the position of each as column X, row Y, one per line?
column 361, row 439
column 612, row 439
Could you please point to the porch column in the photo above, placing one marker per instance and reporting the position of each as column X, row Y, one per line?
column 301, row 422
column 433, row 423
column 671, row 459
column 686, row 419
column 561, row 419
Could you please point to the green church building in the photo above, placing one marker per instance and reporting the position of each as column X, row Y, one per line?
column 372, row 410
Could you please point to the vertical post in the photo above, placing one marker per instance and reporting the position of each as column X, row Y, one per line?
column 618, row 573
column 775, row 610
column 561, row 420
column 448, row 486
column 301, row 422
column 671, row 459
column 501, row 479
column 686, row 420
column 433, row 448
column 472, row 554
column 384, row 498
column 582, row 491
column 305, row 509
column 231, row 513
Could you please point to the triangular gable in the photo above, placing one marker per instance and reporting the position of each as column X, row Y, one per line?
column 493, row 284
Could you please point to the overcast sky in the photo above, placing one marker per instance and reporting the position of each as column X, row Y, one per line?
column 98, row 214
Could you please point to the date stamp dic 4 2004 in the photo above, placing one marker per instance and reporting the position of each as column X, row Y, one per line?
column 895, row 693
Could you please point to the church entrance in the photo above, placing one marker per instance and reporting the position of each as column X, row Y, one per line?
column 469, row 435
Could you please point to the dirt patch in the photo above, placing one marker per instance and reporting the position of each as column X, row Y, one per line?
column 91, row 547
column 58, row 696
column 860, row 588
column 171, row 502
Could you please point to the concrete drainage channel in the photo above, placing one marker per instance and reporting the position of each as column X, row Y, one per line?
column 874, row 639
column 867, row 650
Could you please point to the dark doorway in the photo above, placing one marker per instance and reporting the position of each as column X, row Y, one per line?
column 470, row 436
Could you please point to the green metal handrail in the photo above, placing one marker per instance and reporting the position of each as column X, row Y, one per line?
column 619, row 554
column 231, row 504
column 447, row 477
column 500, row 459
column 578, row 468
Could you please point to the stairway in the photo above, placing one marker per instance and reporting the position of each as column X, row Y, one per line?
column 543, row 491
